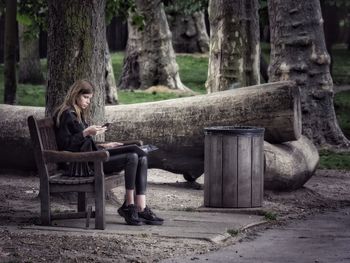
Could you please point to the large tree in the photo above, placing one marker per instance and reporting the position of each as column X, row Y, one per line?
column 150, row 58
column 76, row 50
column 10, row 52
column 234, row 44
column 111, row 86
column 189, row 33
column 298, row 52
column 186, row 20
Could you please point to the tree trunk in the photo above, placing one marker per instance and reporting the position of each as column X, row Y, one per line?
column 150, row 58
column 76, row 50
column 288, row 166
column 111, row 87
column 29, row 60
column 298, row 53
column 234, row 44
column 264, row 67
column 10, row 52
column 189, row 33
column 202, row 35
column 175, row 126
column 117, row 34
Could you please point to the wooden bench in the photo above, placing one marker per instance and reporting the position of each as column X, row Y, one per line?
column 53, row 181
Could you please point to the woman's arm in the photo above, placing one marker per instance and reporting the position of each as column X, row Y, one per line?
column 72, row 134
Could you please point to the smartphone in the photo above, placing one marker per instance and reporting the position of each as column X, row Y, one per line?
column 106, row 124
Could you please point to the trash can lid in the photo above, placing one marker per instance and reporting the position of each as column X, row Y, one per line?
column 238, row 130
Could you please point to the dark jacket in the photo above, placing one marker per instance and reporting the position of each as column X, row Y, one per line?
column 69, row 134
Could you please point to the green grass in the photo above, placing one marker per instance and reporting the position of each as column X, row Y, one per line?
column 341, row 65
column 330, row 160
column 342, row 108
column 193, row 71
column 128, row 97
column 271, row 216
column 233, row 232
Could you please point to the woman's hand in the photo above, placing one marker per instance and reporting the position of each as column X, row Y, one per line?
column 94, row 130
column 111, row 144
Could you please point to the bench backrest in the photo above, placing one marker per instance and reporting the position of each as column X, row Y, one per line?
column 43, row 137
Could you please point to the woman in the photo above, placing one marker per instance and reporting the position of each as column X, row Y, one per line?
column 74, row 134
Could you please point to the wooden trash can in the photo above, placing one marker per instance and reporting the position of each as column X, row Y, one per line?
column 234, row 166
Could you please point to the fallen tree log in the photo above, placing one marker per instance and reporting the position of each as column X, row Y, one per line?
column 289, row 165
column 175, row 126
column 15, row 146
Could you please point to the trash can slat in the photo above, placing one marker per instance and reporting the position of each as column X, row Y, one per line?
column 244, row 191
column 216, row 170
column 257, row 171
column 229, row 172
column 207, row 150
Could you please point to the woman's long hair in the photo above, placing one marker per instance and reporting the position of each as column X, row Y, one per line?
column 80, row 87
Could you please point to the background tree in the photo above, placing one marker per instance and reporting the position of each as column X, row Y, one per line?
column 10, row 52
column 149, row 58
column 31, row 17
column 76, row 50
column 234, row 44
column 111, row 86
column 298, row 52
column 187, row 24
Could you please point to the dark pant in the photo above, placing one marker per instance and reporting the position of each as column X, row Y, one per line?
column 135, row 170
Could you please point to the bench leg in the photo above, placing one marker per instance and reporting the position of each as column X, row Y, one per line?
column 45, row 209
column 81, row 201
column 100, row 221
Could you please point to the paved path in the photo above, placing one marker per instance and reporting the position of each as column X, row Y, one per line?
column 320, row 238
column 210, row 226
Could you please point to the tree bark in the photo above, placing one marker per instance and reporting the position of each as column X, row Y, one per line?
column 29, row 59
column 264, row 67
column 76, row 50
column 234, row 44
column 10, row 82
column 289, row 165
column 150, row 58
column 189, row 33
column 111, row 87
column 298, row 52
column 202, row 35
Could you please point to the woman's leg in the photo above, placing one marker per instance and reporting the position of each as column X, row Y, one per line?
column 141, row 182
column 145, row 213
column 129, row 162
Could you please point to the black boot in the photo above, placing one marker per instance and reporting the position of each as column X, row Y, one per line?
column 148, row 217
column 130, row 214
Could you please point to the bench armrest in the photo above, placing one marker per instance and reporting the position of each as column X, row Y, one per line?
column 137, row 142
column 65, row 156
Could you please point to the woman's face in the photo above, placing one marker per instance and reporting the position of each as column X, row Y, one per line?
column 83, row 101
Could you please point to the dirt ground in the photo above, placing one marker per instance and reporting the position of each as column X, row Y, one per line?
column 19, row 206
